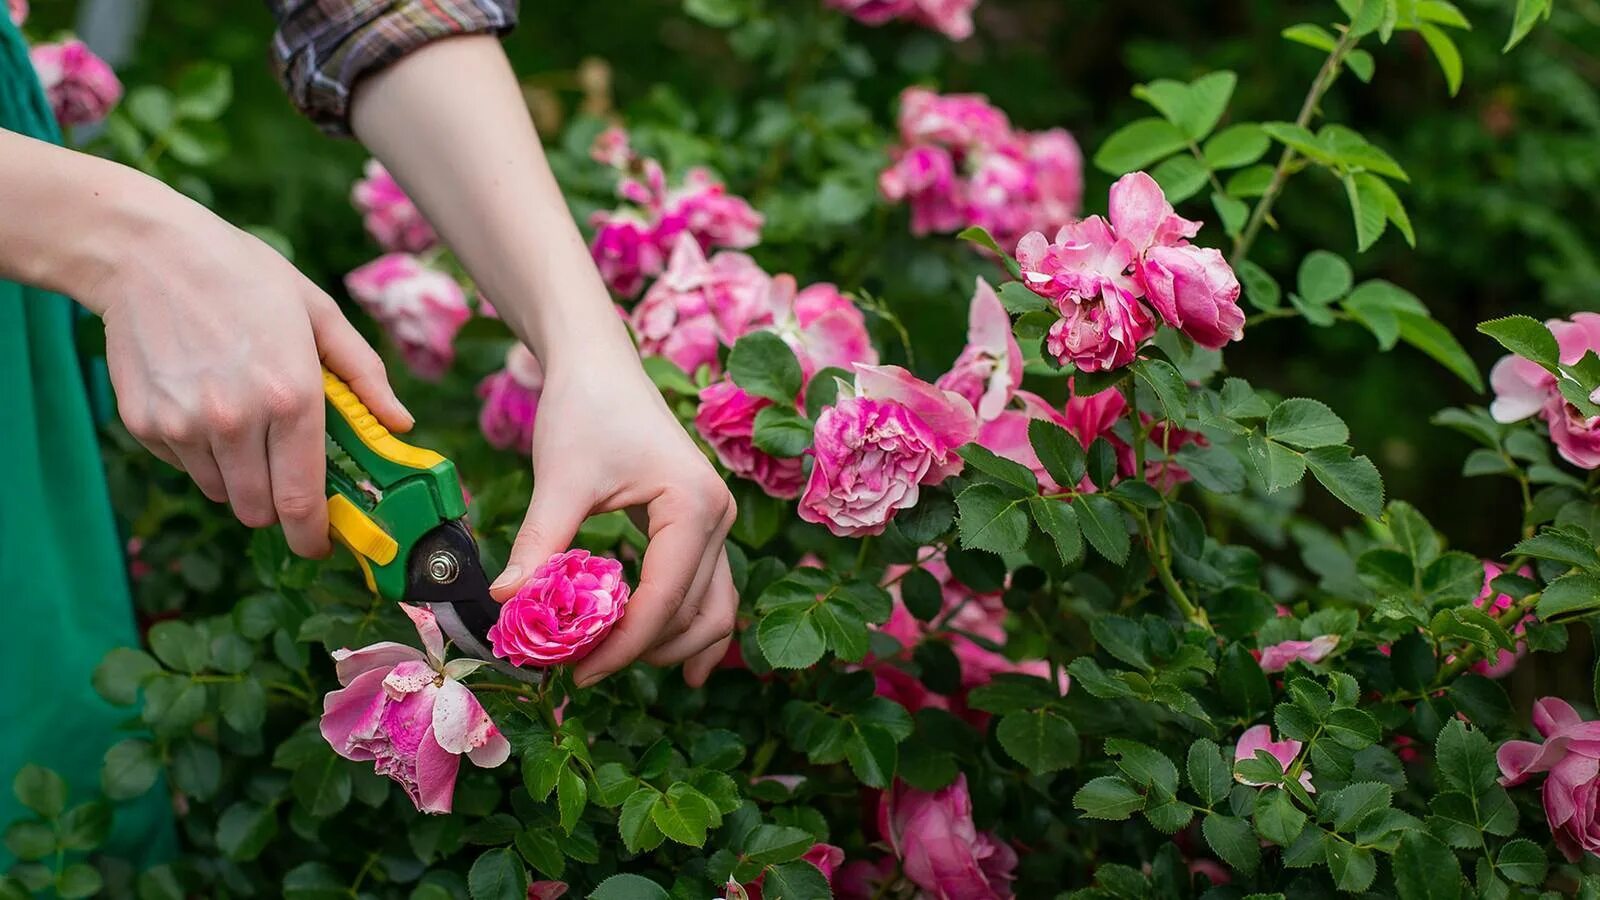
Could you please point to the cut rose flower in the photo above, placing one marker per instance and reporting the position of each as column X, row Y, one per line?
column 511, row 401
column 726, row 420
column 562, row 612
column 419, row 307
column 1259, row 737
column 1571, row 755
column 81, row 88
column 406, row 711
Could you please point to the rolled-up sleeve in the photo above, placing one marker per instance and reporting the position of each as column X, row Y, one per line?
column 324, row 47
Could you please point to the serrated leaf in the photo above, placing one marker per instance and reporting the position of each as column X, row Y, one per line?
column 763, row 364
column 1108, row 797
column 1233, row 840
column 991, row 519
column 1042, row 740
column 1307, row 424
column 1353, row 479
column 1526, row 337
column 1101, row 522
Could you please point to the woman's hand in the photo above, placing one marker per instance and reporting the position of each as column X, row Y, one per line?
column 605, row 440
column 215, row 345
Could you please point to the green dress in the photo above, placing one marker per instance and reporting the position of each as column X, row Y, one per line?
column 63, row 576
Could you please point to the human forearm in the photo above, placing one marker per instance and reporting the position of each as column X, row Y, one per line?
column 450, row 124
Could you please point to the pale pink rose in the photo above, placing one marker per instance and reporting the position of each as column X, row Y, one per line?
column 624, row 249
column 1495, row 605
column 951, row 119
column 1277, row 657
column 715, row 217
column 1082, row 273
column 726, row 420
column 878, row 444
column 1195, row 291
column 821, row 325
column 1057, row 164
column 1571, row 754
column 81, row 88
column 825, row 857
column 1259, row 737
column 951, row 17
column 698, row 304
column 18, row 10
column 547, row 890
column 419, row 307
column 612, row 148
column 998, row 190
column 1007, row 435
column 562, row 612
column 406, row 711
column 989, row 371
column 511, row 401
column 941, row 851
column 1141, row 215
column 389, row 215
column 1522, row 388
column 1576, row 436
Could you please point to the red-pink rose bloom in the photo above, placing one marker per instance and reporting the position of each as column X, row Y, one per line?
column 703, row 207
column 726, row 420
column 389, row 215
column 1523, row 388
column 1083, row 274
column 81, row 88
column 565, row 609
column 625, row 251
column 511, row 401
column 406, row 711
column 989, row 371
column 1007, row 435
column 547, row 890
column 1259, row 737
column 699, row 304
column 941, row 851
column 1277, row 657
column 878, row 444
column 1193, row 288
column 821, row 325
column 951, row 119
column 1571, row 755
column 925, row 176
column 1495, row 605
column 18, row 10
column 421, row 308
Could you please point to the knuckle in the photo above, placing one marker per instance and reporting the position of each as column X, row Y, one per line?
column 300, row 507
column 253, row 514
column 723, row 620
column 176, row 429
column 283, row 399
column 226, row 420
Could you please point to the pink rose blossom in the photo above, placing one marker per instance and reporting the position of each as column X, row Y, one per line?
column 1082, row 274
column 511, row 401
column 726, row 420
column 925, row 176
column 1092, row 416
column 1057, row 182
column 821, row 325
column 1576, row 436
column 624, row 249
column 612, row 148
column 1259, row 737
column 951, row 17
column 989, row 371
column 699, row 304
column 421, row 308
column 81, row 88
column 941, row 851
column 547, row 890
column 1495, row 605
column 715, row 217
column 951, row 119
column 878, row 444
column 18, row 10
column 1571, row 755
column 1007, row 435
column 1277, row 657
column 1193, row 288
column 567, row 607
column 406, row 711
column 1523, row 388
column 389, row 215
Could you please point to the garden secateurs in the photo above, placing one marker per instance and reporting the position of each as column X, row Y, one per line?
column 403, row 521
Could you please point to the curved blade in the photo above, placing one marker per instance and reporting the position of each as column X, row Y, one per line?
column 445, row 574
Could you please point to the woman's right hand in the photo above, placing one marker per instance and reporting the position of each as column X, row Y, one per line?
column 215, row 345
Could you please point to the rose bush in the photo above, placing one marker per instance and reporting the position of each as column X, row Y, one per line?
column 1069, row 607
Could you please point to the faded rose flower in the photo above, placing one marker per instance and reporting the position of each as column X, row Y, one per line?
column 1081, row 273
column 389, row 215
column 877, row 445
column 406, row 711
column 420, row 308
column 989, row 371
column 1571, row 755
column 726, row 420
column 1277, row 657
column 1259, row 737
column 511, row 401
column 698, row 304
column 81, row 88
column 941, row 851
column 821, row 325
column 567, row 607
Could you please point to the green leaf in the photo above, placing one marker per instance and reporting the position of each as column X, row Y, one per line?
column 131, row 768
column 1560, row 546
column 1369, row 207
column 30, row 840
column 1233, row 840
column 781, row 431
column 1353, row 479
column 572, row 795
column 179, row 645
column 1352, row 805
column 1434, row 339
column 244, row 830
column 629, row 887
column 1000, row 470
column 1138, row 144
column 1570, row 597
column 85, row 826
column 1444, row 50
column 1056, row 519
column 771, row 844
column 991, row 519
column 1170, row 390
column 1102, row 523
column 204, row 91
column 1526, row 337
column 716, row 13
column 762, row 364
column 1425, row 869
column 1041, row 740
column 1232, row 212
column 1314, row 36
column 77, row 881
column 1529, row 12
column 1236, row 146
column 1323, row 278
column 797, row 880
column 1353, row 867
column 683, row 814
column 1060, row 453
column 979, row 235
column 636, row 825
column 151, row 107
column 1277, row 818
column 1307, row 424
column 323, row 785
column 40, row 790
column 1108, row 797
column 121, row 672
column 790, row 638
column 498, row 875
column 1208, row 772
column 1523, row 862
column 1259, row 287
column 873, row 755
column 1180, row 177
column 1242, row 683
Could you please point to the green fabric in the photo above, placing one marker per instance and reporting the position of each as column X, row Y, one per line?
column 63, row 578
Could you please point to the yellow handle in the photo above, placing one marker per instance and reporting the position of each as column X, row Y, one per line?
column 370, row 431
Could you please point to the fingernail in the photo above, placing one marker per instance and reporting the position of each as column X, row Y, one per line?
column 508, row 578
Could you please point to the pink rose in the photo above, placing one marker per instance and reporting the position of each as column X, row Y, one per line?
column 951, row 119
column 861, row 879
column 1141, row 215
column 81, row 88
column 1259, row 737
column 953, row 18
column 1102, row 323
column 624, row 249
column 547, row 890
column 1195, row 291
column 389, row 215
column 1057, row 181
column 406, row 711
column 923, row 170
column 1495, row 605
column 878, row 444
column 726, row 420
column 18, row 9
column 821, row 325
column 511, row 401
column 989, row 371
column 1007, row 435
column 1277, row 657
column 1571, row 755
column 1523, row 388
column 421, row 308
column 874, row 12
column 715, row 217
column 698, row 304
column 612, row 148
column 1093, row 416
column 562, row 612
column 940, row 849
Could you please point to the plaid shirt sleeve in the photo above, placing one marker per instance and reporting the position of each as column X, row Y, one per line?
column 323, row 47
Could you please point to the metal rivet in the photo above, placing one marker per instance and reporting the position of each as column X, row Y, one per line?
column 443, row 567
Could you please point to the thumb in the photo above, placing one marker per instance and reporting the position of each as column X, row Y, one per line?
column 348, row 355
column 553, row 519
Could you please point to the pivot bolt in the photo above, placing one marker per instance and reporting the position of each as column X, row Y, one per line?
column 443, row 567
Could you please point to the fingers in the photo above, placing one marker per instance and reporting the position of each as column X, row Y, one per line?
column 239, row 443
column 698, row 669
column 348, row 355
column 712, row 624
column 558, row 508
column 297, row 459
column 196, row 459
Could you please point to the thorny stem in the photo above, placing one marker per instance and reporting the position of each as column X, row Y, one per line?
column 1319, row 86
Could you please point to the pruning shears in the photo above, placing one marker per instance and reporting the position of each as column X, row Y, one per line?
column 403, row 519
